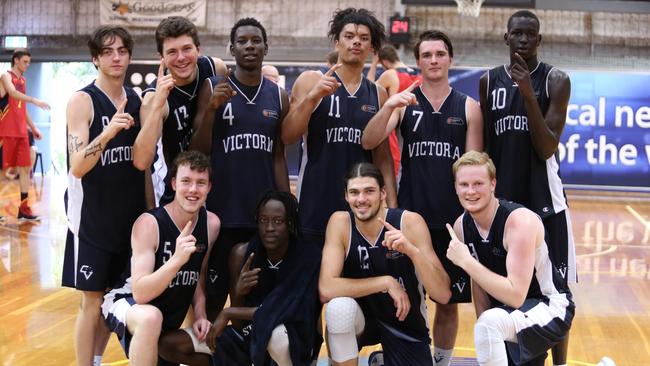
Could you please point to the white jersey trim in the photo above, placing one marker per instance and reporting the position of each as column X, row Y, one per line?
column 75, row 202
column 303, row 165
column 159, row 173
column 555, row 185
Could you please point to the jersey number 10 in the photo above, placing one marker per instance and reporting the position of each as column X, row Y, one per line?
column 498, row 98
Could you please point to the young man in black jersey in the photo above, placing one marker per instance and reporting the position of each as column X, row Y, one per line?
column 521, row 301
column 329, row 111
column 105, row 191
column 377, row 263
column 436, row 124
column 524, row 106
column 170, row 101
column 274, row 303
column 170, row 249
column 239, row 125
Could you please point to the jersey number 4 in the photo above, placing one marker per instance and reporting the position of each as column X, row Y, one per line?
column 227, row 114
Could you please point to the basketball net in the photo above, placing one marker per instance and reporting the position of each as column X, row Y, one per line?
column 469, row 7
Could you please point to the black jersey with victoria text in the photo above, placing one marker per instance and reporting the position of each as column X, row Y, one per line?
column 243, row 144
column 332, row 145
column 491, row 252
column 177, row 127
column 176, row 299
column 104, row 203
column 367, row 257
column 521, row 175
column 431, row 142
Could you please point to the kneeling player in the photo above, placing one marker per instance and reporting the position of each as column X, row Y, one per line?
column 273, row 291
column 377, row 263
column 523, row 305
column 165, row 278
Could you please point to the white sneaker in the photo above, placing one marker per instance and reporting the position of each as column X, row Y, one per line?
column 606, row 361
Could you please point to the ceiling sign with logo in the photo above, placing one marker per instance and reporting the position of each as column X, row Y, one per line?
column 148, row 13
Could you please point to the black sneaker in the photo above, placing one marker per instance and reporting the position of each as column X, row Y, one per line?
column 376, row 358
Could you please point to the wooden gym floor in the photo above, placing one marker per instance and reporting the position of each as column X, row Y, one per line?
column 612, row 234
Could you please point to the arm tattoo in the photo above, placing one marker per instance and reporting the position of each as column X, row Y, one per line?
column 93, row 148
column 73, row 143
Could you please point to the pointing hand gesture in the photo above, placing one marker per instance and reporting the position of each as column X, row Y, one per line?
column 185, row 244
column 327, row 84
column 222, row 92
column 247, row 277
column 457, row 251
column 394, row 239
column 120, row 121
column 404, row 98
column 164, row 85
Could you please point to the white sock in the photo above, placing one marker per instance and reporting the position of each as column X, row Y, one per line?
column 442, row 357
column 97, row 360
column 564, row 364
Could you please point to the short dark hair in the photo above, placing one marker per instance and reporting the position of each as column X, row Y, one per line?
column 195, row 159
column 106, row 34
column 357, row 16
column 388, row 53
column 523, row 14
column 290, row 208
column 174, row 27
column 18, row 54
column 433, row 35
column 244, row 22
column 365, row 169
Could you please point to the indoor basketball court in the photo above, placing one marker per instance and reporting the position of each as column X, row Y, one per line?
column 604, row 151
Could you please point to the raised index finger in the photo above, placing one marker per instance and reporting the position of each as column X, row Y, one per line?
column 332, row 69
column 225, row 76
column 187, row 229
column 412, row 86
column 452, row 233
column 122, row 105
column 161, row 69
column 386, row 224
column 248, row 263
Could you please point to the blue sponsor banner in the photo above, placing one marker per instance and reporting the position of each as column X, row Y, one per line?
column 606, row 139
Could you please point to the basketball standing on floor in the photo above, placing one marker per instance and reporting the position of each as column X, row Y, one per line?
column 435, row 125
column 170, row 101
column 239, row 123
column 330, row 112
column 524, row 106
column 105, row 191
